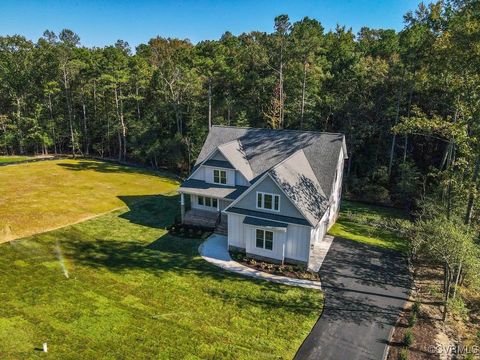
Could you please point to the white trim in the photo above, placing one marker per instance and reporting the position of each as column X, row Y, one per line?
column 219, row 176
column 269, row 228
column 263, row 218
column 247, row 191
column 204, row 200
column 263, row 201
column 208, row 158
column 264, row 238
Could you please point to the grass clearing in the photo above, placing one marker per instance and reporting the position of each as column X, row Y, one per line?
column 9, row 159
column 134, row 291
column 360, row 222
column 40, row 196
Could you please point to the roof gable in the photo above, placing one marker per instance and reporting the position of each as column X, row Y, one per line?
column 296, row 178
column 235, row 154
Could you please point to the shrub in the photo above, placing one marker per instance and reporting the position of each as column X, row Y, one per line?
column 403, row 355
column 408, row 338
column 416, row 307
column 412, row 320
column 458, row 308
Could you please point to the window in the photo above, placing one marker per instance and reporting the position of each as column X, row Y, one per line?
column 206, row 201
column 268, row 201
column 220, row 176
column 264, row 239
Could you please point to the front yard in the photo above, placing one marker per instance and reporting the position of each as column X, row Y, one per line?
column 119, row 286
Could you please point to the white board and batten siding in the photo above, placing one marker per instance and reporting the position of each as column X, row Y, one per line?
column 298, row 242
column 296, row 239
column 236, row 236
column 278, row 242
column 336, row 190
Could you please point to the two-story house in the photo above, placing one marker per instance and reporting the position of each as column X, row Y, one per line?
column 274, row 193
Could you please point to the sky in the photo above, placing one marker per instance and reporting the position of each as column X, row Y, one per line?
column 103, row 22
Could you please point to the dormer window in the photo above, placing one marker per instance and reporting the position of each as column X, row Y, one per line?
column 268, row 201
column 219, row 176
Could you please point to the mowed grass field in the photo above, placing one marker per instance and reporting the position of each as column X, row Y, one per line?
column 36, row 197
column 120, row 287
column 355, row 223
column 9, row 159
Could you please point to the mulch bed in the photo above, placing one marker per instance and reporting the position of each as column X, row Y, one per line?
column 288, row 270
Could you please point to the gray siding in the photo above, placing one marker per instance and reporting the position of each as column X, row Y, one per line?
column 268, row 186
column 218, row 156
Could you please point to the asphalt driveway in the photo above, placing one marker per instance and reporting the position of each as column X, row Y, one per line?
column 365, row 288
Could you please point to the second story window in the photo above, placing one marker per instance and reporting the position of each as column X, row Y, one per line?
column 220, row 176
column 268, row 201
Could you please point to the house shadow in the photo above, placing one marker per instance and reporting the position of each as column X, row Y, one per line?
column 156, row 211
column 169, row 256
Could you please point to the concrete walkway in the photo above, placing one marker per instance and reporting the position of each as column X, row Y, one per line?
column 319, row 253
column 214, row 250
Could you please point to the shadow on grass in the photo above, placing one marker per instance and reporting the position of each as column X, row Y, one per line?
column 111, row 167
column 174, row 256
column 157, row 211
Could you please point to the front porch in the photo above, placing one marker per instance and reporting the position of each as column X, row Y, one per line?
column 201, row 218
column 193, row 214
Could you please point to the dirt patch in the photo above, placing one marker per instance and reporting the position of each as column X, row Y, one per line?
column 430, row 335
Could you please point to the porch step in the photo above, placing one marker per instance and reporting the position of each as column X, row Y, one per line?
column 221, row 228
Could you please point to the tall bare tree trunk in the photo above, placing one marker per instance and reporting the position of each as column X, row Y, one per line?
column 85, row 129
column 54, row 135
column 472, row 192
column 209, row 103
column 137, row 92
column 409, row 108
column 304, row 85
column 69, row 109
column 19, row 125
column 122, row 133
column 394, row 138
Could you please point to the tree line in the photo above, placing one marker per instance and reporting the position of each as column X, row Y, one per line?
column 407, row 101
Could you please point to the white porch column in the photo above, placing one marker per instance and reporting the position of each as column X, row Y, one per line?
column 182, row 206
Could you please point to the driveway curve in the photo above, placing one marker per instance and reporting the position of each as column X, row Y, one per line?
column 365, row 289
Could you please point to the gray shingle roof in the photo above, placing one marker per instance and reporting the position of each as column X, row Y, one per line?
column 274, row 217
column 263, row 222
column 235, row 153
column 212, row 190
column 265, row 148
column 296, row 178
column 302, row 162
column 218, row 163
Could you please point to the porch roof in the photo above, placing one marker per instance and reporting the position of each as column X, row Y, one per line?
column 199, row 187
column 269, row 216
column 264, row 222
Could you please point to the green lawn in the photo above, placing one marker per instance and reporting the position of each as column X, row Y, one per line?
column 135, row 292
column 355, row 223
column 8, row 159
column 40, row 196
